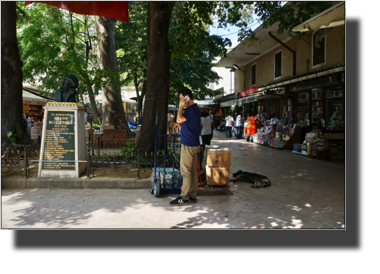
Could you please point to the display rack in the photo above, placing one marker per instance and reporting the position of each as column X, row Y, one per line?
column 302, row 106
column 260, row 107
column 334, row 103
column 26, row 109
column 316, row 107
column 269, row 107
column 34, row 112
column 337, row 150
column 296, row 138
column 286, row 111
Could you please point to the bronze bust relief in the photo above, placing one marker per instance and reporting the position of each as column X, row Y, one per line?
column 68, row 89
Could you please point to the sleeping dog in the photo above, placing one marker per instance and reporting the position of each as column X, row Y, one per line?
column 257, row 180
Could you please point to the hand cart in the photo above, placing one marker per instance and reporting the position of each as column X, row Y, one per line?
column 162, row 181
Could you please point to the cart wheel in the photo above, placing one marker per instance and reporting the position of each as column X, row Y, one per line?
column 156, row 190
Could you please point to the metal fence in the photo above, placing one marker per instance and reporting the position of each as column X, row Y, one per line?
column 14, row 161
column 100, row 156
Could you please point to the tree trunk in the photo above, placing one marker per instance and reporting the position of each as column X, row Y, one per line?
column 157, row 82
column 139, row 97
column 11, row 77
column 93, row 105
column 140, row 100
column 113, row 111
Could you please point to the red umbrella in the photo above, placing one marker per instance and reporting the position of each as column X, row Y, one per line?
column 114, row 9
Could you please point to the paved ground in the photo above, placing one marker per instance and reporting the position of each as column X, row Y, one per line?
column 305, row 193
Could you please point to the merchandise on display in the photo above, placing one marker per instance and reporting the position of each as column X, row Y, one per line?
column 276, row 143
column 318, row 145
column 286, row 111
column 263, row 135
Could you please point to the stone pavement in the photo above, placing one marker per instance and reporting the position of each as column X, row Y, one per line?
column 305, row 193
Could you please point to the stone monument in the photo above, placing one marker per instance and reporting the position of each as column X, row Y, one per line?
column 63, row 141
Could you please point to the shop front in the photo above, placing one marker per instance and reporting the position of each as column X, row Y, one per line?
column 322, row 107
column 249, row 99
column 228, row 104
column 33, row 105
column 208, row 105
column 225, row 111
column 311, row 118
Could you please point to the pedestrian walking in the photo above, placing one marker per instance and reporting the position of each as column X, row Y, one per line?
column 239, row 126
column 190, row 123
column 229, row 125
column 251, row 127
column 24, row 121
column 206, row 132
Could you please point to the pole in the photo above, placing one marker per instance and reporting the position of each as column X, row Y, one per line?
column 88, row 163
column 138, row 164
column 25, row 163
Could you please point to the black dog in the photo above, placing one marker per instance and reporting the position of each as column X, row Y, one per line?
column 256, row 179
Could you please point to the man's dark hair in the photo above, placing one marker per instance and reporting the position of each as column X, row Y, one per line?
column 186, row 91
column 204, row 113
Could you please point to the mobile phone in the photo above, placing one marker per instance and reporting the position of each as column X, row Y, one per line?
column 186, row 99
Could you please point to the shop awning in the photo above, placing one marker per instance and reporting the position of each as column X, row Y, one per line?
column 114, row 9
column 248, row 50
column 30, row 98
column 204, row 102
column 304, row 77
column 332, row 17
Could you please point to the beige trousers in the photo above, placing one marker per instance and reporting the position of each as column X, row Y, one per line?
column 189, row 171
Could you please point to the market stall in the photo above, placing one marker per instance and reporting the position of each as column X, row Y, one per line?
column 33, row 104
column 321, row 145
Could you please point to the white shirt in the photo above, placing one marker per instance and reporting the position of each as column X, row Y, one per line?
column 229, row 121
column 206, row 125
column 238, row 121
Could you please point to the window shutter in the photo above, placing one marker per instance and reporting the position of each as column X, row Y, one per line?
column 318, row 51
column 277, row 64
column 253, row 75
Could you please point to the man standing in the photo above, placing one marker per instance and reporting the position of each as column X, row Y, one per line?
column 229, row 125
column 190, row 123
column 239, row 126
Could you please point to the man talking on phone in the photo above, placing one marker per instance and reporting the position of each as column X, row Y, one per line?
column 190, row 123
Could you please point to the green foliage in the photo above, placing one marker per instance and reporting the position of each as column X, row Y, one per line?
column 131, row 41
column 191, row 58
column 169, row 160
column 193, row 50
column 289, row 15
column 12, row 136
column 95, row 126
column 54, row 43
column 237, row 13
column 129, row 147
column 195, row 74
column 188, row 31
